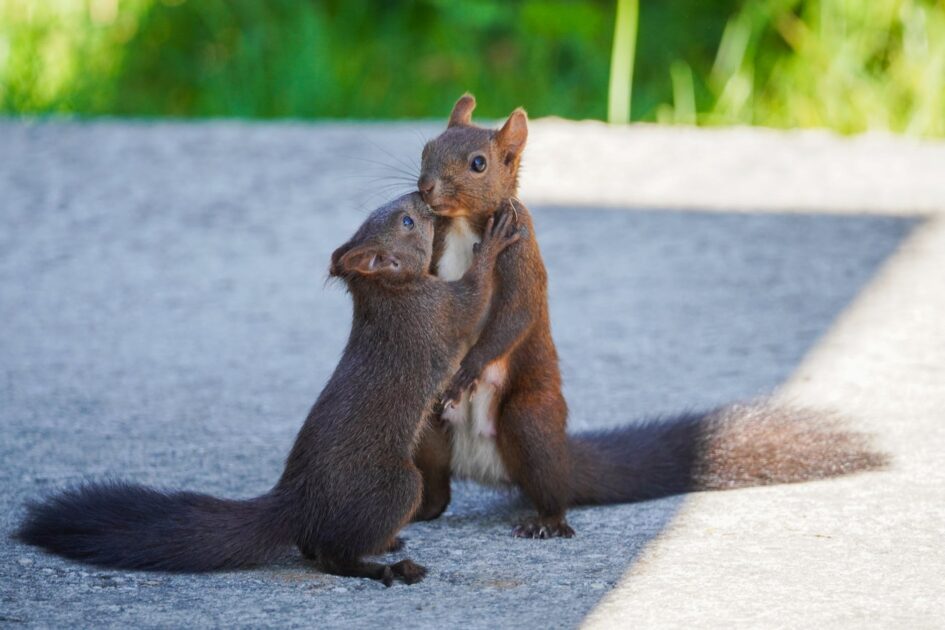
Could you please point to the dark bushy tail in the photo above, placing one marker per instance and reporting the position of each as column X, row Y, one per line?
column 127, row 526
column 732, row 447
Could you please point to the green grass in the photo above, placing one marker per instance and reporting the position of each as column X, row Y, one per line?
column 843, row 64
column 621, row 61
column 850, row 65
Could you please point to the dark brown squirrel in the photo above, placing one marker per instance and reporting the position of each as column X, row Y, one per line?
column 505, row 410
column 349, row 483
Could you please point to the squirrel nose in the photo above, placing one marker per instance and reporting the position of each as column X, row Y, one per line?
column 426, row 185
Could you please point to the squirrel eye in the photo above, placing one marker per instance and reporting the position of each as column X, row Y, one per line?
column 478, row 164
column 407, row 221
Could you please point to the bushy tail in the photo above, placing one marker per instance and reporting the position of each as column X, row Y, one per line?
column 128, row 526
column 732, row 447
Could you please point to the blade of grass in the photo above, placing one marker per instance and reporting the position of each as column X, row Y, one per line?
column 621, row 61
column 684, row 93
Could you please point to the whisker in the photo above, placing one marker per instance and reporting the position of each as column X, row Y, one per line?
column 381, row 178
column 385, row 191
column 410, row 168
column 392, row 167
column 364, row 197
column 421, row 137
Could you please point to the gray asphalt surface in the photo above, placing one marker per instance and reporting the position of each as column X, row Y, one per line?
column 165, row 319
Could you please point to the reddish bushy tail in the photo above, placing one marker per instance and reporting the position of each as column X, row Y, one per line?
column 732, row 447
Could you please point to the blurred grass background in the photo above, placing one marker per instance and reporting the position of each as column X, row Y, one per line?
column 850, row 65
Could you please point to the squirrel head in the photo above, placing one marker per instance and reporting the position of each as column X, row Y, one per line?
column 468, row 170
column 394, row 244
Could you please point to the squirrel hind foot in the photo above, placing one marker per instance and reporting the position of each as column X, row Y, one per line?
column 540, row 529
column 408, row 571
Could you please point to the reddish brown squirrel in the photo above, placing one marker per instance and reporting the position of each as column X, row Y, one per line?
column 505, row 412
column 349, row 483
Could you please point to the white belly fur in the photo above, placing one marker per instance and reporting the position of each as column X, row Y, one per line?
column 475, row 454
column 457, row 251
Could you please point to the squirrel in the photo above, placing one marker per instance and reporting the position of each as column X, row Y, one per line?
column 349, row 484
column 505, row 415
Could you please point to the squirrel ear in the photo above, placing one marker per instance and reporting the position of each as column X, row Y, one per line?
column 511, row 138
column 336, row 256
column 462, row 111
column 364, row 260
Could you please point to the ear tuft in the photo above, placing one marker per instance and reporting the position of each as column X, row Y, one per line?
column 513, row 135
column 461, row 116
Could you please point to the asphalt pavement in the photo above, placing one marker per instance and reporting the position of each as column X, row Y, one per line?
column 165, row 319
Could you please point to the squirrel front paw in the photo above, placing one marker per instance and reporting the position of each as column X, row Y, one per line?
column 465, row 380
column 500, row 232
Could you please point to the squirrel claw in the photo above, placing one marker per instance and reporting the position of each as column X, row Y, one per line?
column 450, row 413
column 513, row 210
column 464, row 381
column 536, row 529
column 471, row 388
